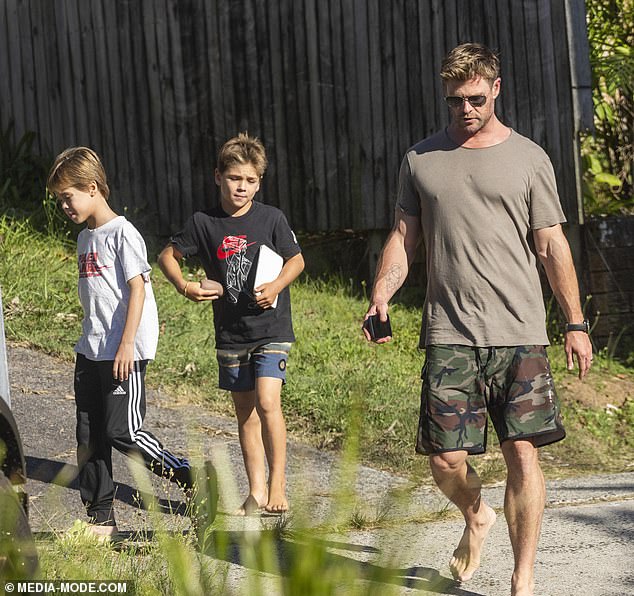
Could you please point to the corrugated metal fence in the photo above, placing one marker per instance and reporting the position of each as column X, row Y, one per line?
column 336, row 89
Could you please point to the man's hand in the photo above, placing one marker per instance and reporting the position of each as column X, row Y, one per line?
column 380, row 309
column 577, row 343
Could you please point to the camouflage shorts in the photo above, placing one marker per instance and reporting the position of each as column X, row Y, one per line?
column 461, row 384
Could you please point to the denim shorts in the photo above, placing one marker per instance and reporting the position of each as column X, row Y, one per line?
column 239, row 368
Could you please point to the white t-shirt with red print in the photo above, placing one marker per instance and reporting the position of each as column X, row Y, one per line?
column 107, row 258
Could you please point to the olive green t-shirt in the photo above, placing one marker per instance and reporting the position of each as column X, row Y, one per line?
column 478, row 208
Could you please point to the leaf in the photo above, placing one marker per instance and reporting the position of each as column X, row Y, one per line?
column 610, row 179
column 594, row 164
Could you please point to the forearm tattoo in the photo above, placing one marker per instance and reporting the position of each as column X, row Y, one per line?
column 392, row 278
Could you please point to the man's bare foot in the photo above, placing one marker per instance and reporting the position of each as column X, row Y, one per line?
column 522, row 587
column 251, row 506
column 466, row 558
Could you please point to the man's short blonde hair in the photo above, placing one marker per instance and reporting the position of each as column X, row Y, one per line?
column 468, row 61
column 78, row 167
column 240, row 150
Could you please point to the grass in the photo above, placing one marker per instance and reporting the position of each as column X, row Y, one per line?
column 289, row 562
column 336, row 380
column 162, row 563
column 342, row 394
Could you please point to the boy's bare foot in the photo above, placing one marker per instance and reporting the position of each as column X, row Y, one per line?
column 277, row 502
column 466, row 558
column 103, row 531
column 251, row 506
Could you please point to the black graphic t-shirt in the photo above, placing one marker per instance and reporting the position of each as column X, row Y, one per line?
column 227, row 247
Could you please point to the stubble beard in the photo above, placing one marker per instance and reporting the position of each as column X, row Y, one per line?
column 479, row 124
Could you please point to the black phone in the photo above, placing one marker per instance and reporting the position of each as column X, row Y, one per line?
column 377, row 328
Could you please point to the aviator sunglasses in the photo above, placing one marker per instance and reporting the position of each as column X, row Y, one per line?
column 455, row 101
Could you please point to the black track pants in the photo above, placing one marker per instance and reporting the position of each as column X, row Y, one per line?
column 110, row 414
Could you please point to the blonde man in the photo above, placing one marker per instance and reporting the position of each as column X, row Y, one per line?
column 484, row 200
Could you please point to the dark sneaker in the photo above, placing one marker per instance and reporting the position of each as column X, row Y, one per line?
column 202, row 499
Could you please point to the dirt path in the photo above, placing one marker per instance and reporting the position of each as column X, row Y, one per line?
column 43, row 404
column 586, row 542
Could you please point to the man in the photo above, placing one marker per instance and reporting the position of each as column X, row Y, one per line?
column 484, row 200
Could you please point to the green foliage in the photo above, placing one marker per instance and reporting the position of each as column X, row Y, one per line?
column 168, row 565
column 273, row 558
column 39, row 286
column 172, row 564
column 342, row 393
column 608, row 155
column 337, row 382
column 23, row 174
column 610, row 425
column 333, row 370
column 598, row 439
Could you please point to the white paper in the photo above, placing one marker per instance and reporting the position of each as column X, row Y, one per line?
column 269, row 265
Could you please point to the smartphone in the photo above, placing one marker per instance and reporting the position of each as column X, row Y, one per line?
column 377, row 328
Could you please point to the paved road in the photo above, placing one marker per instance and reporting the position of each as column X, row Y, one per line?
column 586, row 544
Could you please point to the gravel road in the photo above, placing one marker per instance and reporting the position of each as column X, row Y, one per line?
column 586, row 543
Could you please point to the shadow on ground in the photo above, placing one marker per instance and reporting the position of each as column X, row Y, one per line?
column 281, row 554
column 65, row 475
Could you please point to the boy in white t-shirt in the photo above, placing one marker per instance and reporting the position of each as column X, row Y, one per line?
column 119, row 337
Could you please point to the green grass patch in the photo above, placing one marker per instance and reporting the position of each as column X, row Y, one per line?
column 342, row 394
column 156, row 563
column 38, row 274
column 336, row 380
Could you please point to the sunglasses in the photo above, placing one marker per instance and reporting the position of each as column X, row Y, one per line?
column 455, row 101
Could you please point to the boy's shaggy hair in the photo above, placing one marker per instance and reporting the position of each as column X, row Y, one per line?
column 77, row 167
column 240, row 150
column 468, row 61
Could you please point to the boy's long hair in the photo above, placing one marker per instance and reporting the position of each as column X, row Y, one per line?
column 468, row 61
column 243, row 149
column 78, row 167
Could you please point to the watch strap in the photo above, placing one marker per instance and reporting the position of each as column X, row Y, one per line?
column 585, row 327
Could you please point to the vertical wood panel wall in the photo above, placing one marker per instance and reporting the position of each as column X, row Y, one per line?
column 610, row 249
column 336, row 89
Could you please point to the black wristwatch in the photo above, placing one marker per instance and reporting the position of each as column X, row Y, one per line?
column 585, row 327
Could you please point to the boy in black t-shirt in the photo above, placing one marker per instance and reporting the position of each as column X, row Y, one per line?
column 253, row 332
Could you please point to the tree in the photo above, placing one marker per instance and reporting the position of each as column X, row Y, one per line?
column 609, row 153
